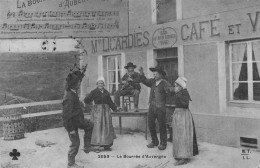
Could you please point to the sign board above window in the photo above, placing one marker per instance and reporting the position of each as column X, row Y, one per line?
column 58, row 18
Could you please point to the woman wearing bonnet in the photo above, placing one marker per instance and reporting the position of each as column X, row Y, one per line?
column 183, row 129
column 103, row 133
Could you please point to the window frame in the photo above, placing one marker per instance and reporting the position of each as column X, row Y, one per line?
column 177, row 2
column 106, row 71
column 250, row 82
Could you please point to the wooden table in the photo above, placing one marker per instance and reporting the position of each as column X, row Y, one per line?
column 141, row 113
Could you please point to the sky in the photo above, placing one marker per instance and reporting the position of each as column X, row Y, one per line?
column 37, row 45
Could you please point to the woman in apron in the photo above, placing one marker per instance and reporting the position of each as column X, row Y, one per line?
column 103, row 133
column 183, row 130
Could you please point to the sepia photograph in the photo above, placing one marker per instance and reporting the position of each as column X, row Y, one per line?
column 129, row 83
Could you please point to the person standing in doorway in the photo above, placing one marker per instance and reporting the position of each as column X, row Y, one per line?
column 130, row 86
column 183, row 129
column 159, row 90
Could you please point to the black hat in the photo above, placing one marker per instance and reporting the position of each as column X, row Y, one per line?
column 130, row 64
column 76, row 74
column 158, row 69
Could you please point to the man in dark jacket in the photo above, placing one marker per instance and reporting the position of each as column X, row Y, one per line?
column 159, row 90
column 73, row 118
column 130, row 86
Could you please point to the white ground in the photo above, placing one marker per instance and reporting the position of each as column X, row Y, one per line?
column 33, row 156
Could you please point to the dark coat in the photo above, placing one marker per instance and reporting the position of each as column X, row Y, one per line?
column 182, row 99
column 71, row 109
column 158, row 93
column 135, row 84
column 100, row 98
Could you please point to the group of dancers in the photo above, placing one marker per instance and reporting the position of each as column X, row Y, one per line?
column 99, row 132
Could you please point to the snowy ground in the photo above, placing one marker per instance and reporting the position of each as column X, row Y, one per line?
column 33, row 156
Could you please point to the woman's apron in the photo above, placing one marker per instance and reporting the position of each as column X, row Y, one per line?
column 103, row 131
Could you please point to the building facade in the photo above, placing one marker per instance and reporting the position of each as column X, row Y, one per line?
column 214, row 44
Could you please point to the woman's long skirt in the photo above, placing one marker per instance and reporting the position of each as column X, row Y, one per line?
column 184, row 136
column 103, row 131
column 169, row 113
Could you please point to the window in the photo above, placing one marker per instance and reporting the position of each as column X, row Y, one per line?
column 166, row 11
column 244, row 71
column 112, row 70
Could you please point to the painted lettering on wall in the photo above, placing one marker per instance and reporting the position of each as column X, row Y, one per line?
column 22, row 4
column 135, row 40
column 63, row 18
column 197, row 30
column 66, row 4
column 253, row 21
column 210, row 28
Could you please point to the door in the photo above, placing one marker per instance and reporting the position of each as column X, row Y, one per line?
column 168, row 59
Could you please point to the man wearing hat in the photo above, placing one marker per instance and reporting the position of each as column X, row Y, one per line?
column 159, row 90
column 73, row 117
column 130, row 86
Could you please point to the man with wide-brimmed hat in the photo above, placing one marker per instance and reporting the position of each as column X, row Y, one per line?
column 130, row 86
column 159, row 90
column 73, row 117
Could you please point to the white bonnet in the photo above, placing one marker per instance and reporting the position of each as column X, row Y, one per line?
column 101, row 78
column 182, row 81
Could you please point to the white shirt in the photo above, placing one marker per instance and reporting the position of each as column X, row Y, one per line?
column 158, row 82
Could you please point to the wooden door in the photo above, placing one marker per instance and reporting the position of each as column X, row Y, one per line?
column 168, row 59
column 170, row 66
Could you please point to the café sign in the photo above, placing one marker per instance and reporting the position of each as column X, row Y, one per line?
column 232, row 25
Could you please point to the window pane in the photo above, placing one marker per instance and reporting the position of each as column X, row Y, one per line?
column 105, row 68
column 256, row 66
column 256, row 51
column 112, row 88
column 255, row 58
column 256, row 89
column 112, row 77
column 119, row 61
column 239, row 52
column 166, row 53
column 119, row 76
column 166, row 11
column 240, row 91
column 239, row 72
column 111, row 63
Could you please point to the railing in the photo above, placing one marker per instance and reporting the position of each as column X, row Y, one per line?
column 141, row 113
column 26, row 105
column 32, row 113
column 11, row 106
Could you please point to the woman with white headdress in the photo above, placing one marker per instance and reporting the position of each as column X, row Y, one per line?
column 103, row 133
column 183, row 129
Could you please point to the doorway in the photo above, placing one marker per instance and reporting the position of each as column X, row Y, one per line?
column 168, row 60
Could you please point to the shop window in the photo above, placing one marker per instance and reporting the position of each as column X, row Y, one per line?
column 166, row 11
column 112, row 70
column 245, row 69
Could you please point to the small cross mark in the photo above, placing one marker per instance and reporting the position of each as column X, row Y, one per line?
column 15, row 154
